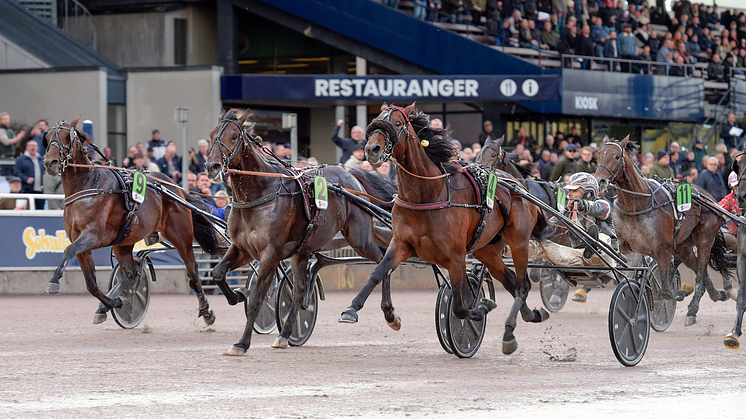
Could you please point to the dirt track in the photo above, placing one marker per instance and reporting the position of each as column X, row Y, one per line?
column 56, row 363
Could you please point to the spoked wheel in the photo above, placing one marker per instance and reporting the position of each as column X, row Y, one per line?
column 465, row 335
column 629, row 323
column 266, row 318
column 661, row 311
column 136, row 297
column 305, row 319
column 441, row 316
column 553, row 289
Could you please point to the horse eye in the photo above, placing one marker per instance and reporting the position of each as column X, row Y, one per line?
column 617, row 157
column 494, row 155
column 235, row 137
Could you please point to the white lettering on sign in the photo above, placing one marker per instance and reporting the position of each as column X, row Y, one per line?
column 530, row 87
column 404, row 88
column 588, row 103
column 508, row 87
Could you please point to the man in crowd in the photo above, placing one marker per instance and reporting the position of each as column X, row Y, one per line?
column 486, row 133
column 565, row 165
column 13, row 203
column 170, row 163
column 197, row 163
column 8, row 138
column 357, row 136
column 711, row 181
column 158, row 145
column 728, row 134
column 585, row 162
column 356, row 159
column 30, row 168
column 662, row 167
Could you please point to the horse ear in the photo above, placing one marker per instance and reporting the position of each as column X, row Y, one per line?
column 409, row 109
column 625, row 141
column 499, row 141
column 246, row 114
column 222, row 114
column 74, row 122
column 384, row 106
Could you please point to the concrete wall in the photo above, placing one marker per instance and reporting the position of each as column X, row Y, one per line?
column 322, row 147
column 55, row 96
column 153, row 95
column 153, row 34
column 13, row 57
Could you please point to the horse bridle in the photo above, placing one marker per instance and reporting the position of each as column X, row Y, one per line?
column 388, row 148
column 225, row 159
column 66, row 153
column 618, row 169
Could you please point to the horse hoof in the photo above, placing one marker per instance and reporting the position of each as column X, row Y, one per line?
column 680, row 295
column 724, row 296
column 52, row 288
column 348, row 316
column 99, row 318
column 242, row 294
column 733, row 294
column 690, row 320
column 280, row 343
column 209, row 318
column 487, row 304
column 396, row 325
column 687, row 288
column 731, row 341
column 510, row 346
column 543, row 314
column 235, row 351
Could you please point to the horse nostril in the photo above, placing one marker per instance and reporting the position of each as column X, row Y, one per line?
column 375, row 149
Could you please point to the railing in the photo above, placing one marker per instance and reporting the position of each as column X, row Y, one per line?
column 31, row 203
column 77, row 21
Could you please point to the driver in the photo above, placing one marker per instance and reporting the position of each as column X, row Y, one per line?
column 730, row 204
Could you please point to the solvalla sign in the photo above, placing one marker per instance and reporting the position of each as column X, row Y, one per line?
column 392, row 88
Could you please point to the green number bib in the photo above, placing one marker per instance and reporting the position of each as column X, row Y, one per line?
column 561, row 199
column 321, row 193
column 139, row 184
column 491, row 186
column 684, row 197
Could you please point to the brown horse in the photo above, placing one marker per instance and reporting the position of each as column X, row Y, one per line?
column 268, row 222
column 645, row 223
column 95, row 211
column 731, row 340
column 438, row 213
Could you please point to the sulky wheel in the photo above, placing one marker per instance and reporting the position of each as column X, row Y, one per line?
column 553, row 289
column 629, row 323
column 661, row 311
column 265, row 321
column 442, row 305
column 305, row 319
column 465, row 335
column 136, row 297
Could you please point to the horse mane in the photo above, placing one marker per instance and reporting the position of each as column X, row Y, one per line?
column 440, row 149
column 375, row 186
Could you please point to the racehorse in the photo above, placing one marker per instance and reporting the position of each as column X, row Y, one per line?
column 95, row 213
column 438, row 213
column 646, row 224
column 731, row 339
column 268, row 221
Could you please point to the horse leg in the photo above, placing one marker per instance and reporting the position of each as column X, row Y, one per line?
column 233, row 259
column 186, row 251
column 123, row 254
column 265, row 273
column 491, row 256
column 299, row 264
column 86, row 241
column 85, row 260
column 395, row 255
column 731, row 339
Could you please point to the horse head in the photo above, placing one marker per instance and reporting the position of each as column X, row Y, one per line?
column 611, row 161
column 62, row 141
column 740, row 165
column 492, row 154
column 227, row 141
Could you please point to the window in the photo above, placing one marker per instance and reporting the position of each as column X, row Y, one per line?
column 180, row 41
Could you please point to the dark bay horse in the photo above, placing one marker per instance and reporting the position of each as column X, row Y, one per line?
column 645, row 223
column 268, row 221
column 95, row 211
column 731, row 339
column 436, row 217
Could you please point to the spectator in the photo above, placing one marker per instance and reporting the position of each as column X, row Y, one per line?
column 691, row 175
column 8, row 138
column 486, row 133
column 715, row 69
column 543, row 159
column 419, row 10
column 525, row 38
column 53, row 185
column 551, row 144
column 436, row 123
column 611, row 50
column 664, row 51
column 13, row 203
column 203, row 187
column 585, row 162
column 646, row 58
column 158, row 145
column 357, row 136
column 661, row 167
column 515, row 22
column 567, row 41
column 356, row 159
column 566, row 165
column 523, row 139
column 433, row 9
column 170, row 163
column 148, row 163
column 728, row 134
column 41, row 126
column 574, row 138
column 599, row 35
column 549, row 36
column 128, row 162
column 584, row 46
column 546, row 172
column 30, row 168
column 627, row 44
column 711, row 181
column 198, row 159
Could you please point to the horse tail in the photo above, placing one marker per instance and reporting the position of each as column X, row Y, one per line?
column 375, row 186
column 726, row 266
column 540, row 230
column 204, row 231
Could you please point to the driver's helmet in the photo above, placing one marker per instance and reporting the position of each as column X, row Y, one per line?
column 732, row 179
column 585, row 181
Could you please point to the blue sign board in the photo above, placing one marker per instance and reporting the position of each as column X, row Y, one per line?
column 334, row 88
